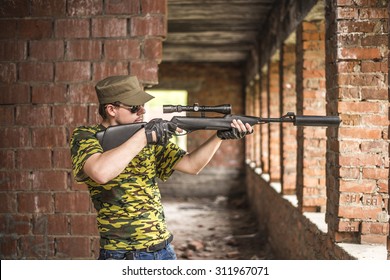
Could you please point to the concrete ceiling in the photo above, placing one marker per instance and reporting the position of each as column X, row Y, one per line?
column 214, row 30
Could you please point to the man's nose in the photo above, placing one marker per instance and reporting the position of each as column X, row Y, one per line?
column 141, row 110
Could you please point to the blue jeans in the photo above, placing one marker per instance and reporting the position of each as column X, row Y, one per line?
column 164, row 254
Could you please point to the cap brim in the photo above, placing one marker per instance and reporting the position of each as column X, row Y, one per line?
column 137, row 99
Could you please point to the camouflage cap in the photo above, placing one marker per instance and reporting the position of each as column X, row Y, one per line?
column 125, row 89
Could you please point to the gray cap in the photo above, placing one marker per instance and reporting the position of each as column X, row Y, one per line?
column 125, row 89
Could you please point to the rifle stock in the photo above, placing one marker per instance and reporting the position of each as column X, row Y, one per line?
column 117, row 135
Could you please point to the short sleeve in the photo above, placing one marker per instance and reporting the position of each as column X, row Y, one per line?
column 83, row 144
column 167, row 157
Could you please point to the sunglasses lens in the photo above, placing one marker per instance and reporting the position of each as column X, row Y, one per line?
column 135, row 109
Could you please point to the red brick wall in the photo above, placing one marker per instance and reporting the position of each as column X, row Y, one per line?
column 264, row 113
column 288, row 232
column 341, row 70
column 311, row 94
column 288, row 132
column 274, row 112
column 51, row 55
column 357, row 86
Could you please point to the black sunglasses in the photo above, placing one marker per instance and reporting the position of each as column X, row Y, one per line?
column 132, row 108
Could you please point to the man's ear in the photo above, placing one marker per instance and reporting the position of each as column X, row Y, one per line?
column 110, row 110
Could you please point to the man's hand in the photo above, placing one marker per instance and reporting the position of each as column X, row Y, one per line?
column 163, row 131
column 238, row 131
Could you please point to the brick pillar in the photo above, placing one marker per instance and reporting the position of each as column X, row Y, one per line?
column 311, row 183
column 388, row 187
column 51, row 55
column 274, row 128
column 357, row 85
column 264, row 114
column 288, row 131
column 257, row 134
column 249, row 110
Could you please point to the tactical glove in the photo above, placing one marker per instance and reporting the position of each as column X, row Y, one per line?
column 232, row 133
column 163, row 129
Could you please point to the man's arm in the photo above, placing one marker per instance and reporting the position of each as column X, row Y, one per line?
column 103, row 167
column 195, row 161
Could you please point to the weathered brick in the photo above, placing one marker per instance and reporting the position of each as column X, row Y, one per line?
column 347, row 13
column 73, row 247
column 148, row 26
column 12, row 223
column 364, row 186
column 48, row 8
column 102, row 70
column 8, row 204
column 122, row 49
column 7, row 159
column 61, row 158
column 375, row 173
column 16, row 8
column 14, row 94
column 35, row 203
column 38, row 247
column 356, row 212
column 49, row 137
column 126, row 7
column 49, row 180
column 146, row 71
column 372, row 13
column 154, row 7
column 364, row 133
column 82, row 93
column 8, row 247
column 36, row 72
column 373, row 239
column 374, row 41
column 54, row 50
column 109, row 27
column 15, row 180
column 34, row 29
column 14, row 137
column 93, row 116
column 359, row 53
column 72, row 28
column 75, row 71
column 33, row 115
column 348, row 226
column 153, row 49
column 70, row 115
column 85, row 7
column 13, row 50
column 83, row 225
column 33, row 159
column 7, row 113
column 48, row 94
column 8, row 28
column 50, row 224
column 72, row 202
column 7, row 73
column 84, row 50
column 346, row 107
column 356, row 26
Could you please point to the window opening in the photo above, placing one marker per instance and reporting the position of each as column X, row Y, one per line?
column 154, row 109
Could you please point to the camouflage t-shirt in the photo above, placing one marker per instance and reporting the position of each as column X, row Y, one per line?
column 130, row 215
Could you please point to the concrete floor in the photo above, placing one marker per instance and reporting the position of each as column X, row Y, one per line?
column 215, row 229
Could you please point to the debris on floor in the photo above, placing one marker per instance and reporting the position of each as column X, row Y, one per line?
column 214, row 229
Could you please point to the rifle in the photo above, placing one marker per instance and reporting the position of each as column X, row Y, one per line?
column 116, row 135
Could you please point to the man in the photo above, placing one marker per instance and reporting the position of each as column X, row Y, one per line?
column 122, row 181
